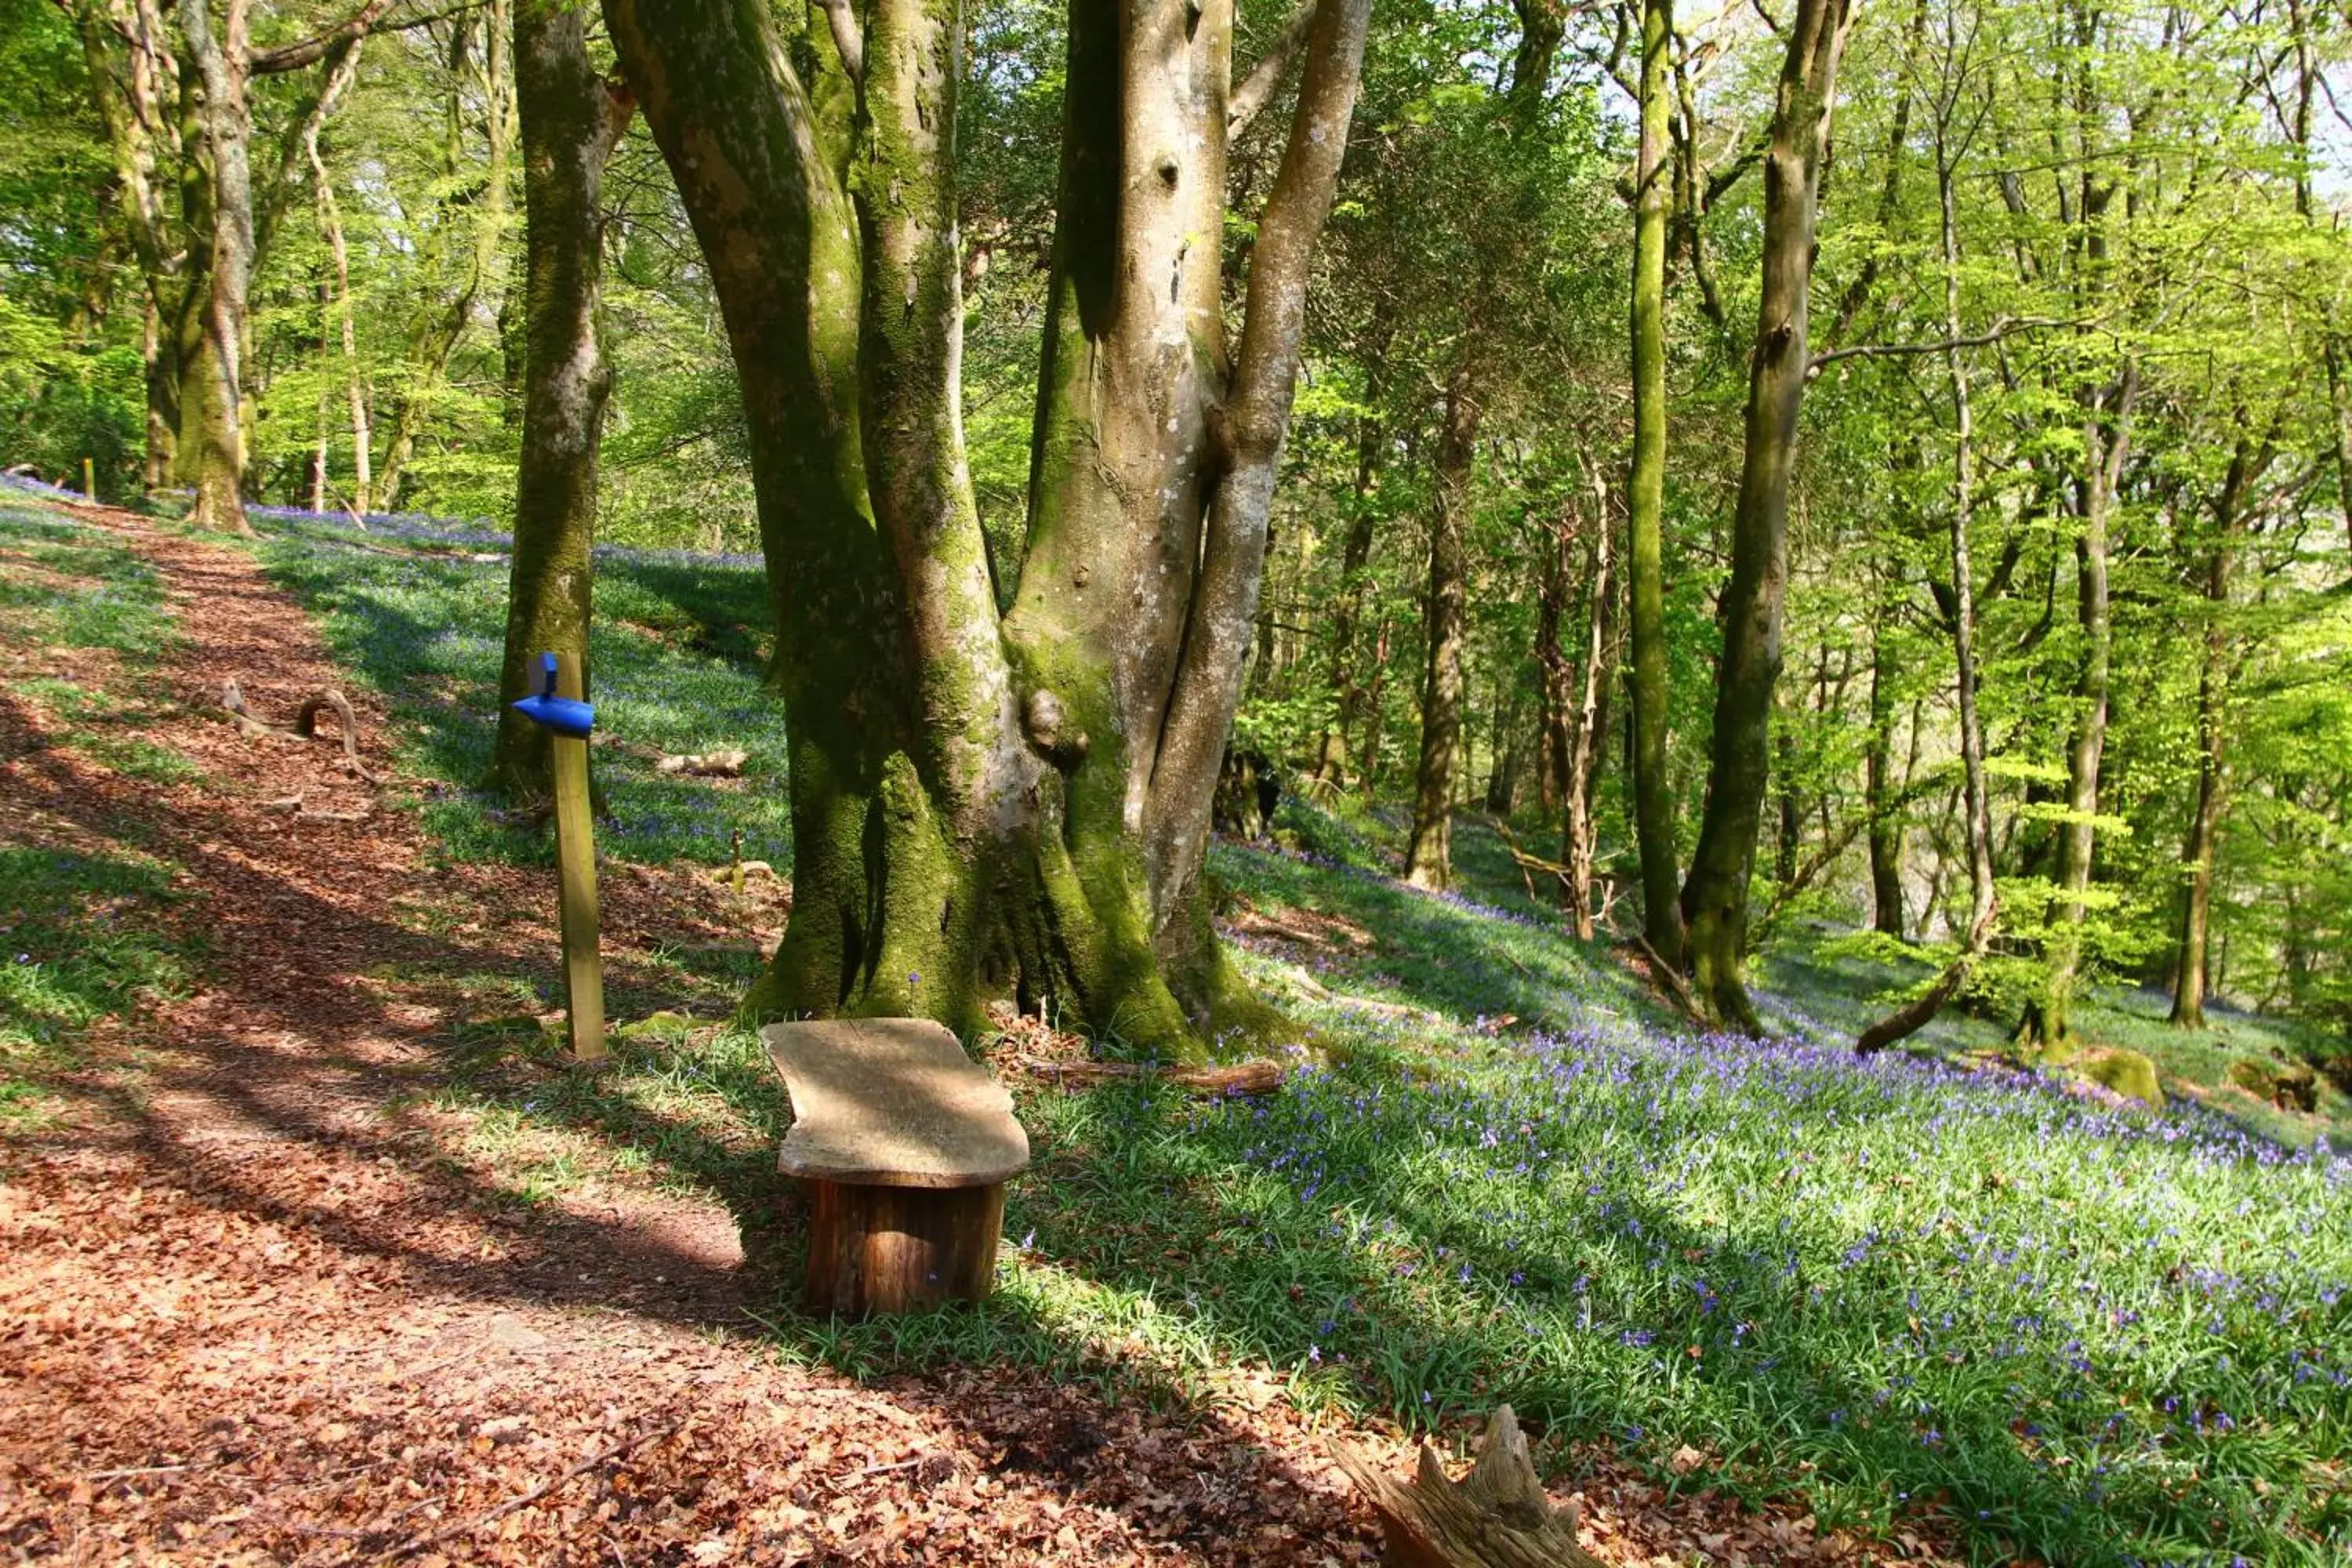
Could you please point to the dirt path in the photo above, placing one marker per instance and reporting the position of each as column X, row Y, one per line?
column 254, row 1308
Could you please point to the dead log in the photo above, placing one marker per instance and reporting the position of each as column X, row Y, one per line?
column 725, row 765
column 1496, row 1517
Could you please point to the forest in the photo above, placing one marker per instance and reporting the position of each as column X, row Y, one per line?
column 1379, row 604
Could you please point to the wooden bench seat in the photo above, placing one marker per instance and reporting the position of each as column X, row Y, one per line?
column 905, row 1145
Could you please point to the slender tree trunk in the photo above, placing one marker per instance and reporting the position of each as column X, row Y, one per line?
column 435, row 338
column 2106, row 436
column 2188, row 979
column 1715, row 898
column 1654, row 796
column 570, row 124
column 331, row 222
column 1885, row 831
column 1428, row 861
column 1553, row 676
column 1580, row 774
column 992, row 807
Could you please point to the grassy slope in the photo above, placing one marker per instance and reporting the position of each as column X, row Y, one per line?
column 2082, row 1332
column 86, row 933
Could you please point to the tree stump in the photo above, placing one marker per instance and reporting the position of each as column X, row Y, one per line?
column 905, row 1144
column 1496, row 1517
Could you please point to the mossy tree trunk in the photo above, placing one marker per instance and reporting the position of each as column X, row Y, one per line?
column 569, row 123
column 224, row 121
column 1654, row 828
column 1715, row 895
column 993, row 807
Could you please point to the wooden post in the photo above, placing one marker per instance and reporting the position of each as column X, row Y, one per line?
column 575, row 856
column 88, row 482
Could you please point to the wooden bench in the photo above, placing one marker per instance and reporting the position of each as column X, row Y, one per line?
column 905, row 1145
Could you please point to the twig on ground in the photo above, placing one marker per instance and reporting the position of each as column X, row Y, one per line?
column 416, row 1543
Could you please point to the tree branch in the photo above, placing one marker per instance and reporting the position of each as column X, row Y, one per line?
column 368, row 18
column 1257, row 87
column 2002, row 327
column 849, row 42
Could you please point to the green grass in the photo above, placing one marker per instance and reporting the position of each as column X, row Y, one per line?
column 676, row 655
column 84, row 588
column 86, row 935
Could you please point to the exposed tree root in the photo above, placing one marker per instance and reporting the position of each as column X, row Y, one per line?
column 305, row 725
column 1261, row 1076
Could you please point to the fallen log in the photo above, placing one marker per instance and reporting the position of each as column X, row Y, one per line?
column 726, row 764
column 1496, row 1517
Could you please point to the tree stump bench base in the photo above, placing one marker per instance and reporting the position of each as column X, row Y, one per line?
column 905, row 1144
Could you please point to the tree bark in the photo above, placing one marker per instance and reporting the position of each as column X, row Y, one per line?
column 992, row 807
column 1715, row 897
column 1580, row 775
column 1332, row 758
column 2189, row 977
column 1653, row 797
column 1885, row 831
column 224, row 122
column 1976, row 823
column 569, row 123
column 331, row 219
column 1428, row 861
column 435, row 337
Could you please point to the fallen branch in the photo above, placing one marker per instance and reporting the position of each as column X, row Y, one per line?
column 416, row 1543
column 1261, row 1076
column 726, row 764
column 293, row 806
column 1663, row 974
column 305, row 725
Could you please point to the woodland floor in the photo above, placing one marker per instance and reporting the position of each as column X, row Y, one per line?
column 264, row 1298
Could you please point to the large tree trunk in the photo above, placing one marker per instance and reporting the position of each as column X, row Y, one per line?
column 1715, row 898
column 1653, row 797
column 1428, row 860
column 569, row 123
column 988, row 807
column 225, row 120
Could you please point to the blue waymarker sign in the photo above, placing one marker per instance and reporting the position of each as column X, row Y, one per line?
column 564, row 715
